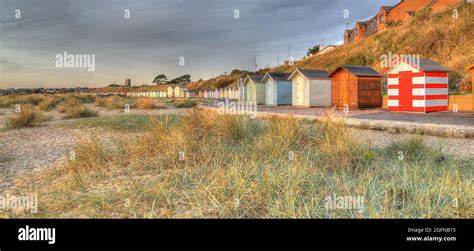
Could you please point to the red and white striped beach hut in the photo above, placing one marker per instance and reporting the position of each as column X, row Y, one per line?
column 417, row 86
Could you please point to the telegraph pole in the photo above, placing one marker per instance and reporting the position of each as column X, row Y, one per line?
column 256, row 62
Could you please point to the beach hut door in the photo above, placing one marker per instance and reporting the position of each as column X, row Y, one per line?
column 299, row 93
column 270, row 93
column 405, row 90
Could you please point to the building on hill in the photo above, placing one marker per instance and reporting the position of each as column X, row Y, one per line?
column 391, row 14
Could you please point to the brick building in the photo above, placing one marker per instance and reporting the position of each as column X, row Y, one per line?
column 399, row 12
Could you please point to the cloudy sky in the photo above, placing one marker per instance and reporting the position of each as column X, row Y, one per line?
column 205, row 33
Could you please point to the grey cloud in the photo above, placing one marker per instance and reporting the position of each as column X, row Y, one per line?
column 160, row 31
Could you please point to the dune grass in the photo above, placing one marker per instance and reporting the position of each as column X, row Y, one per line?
column 27, row 116
column 125, row 122
column 221, row 166
column 118, row 102
column 73, row 108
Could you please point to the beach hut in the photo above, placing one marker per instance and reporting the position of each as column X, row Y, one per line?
column 216, row 94
column 177, row 92
column 241, row 90
column 237, row 93
column 182, row 92
column 278, row 88
column 170, row 92
column 417, row 86
column 243, row 93
column 225, row 93
column 355, row 87
column 255, row 89
column 310, row 87
column 190, row 94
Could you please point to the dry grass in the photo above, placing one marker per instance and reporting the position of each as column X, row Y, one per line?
column 73, row 108
column 80, row 111
column 146, row 103
column 118, row 102
column 207, row 165
column 27, row 117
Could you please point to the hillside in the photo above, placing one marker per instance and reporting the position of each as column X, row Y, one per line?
column 439, row 36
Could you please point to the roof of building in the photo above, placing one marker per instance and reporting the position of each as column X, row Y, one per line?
column 311, row 73
column 360, row 71
column 277, row 76
column 255, row 77
column 431, row 65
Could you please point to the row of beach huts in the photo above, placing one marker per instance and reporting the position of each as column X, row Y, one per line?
column 421, row 87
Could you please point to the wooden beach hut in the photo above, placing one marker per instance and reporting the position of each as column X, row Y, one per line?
column 255, row 89
column 310, row 87
column 355, row 87
column 417, row 86
column 278, row 88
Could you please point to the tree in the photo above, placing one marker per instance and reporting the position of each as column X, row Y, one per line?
column 160, row 79
column 184, row 79
column 313, row 50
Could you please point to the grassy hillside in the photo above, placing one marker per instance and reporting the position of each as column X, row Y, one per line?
column 439, row 36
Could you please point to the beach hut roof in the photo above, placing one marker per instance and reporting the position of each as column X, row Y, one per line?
column 429, row 65
column 256, row 78
column 359, row 71
column 426, row 65
column 277, row 76
column 310, row 73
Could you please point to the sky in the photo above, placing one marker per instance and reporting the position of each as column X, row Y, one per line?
column 139, row 39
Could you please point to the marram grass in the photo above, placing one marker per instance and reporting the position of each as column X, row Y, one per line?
column 211, row 166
